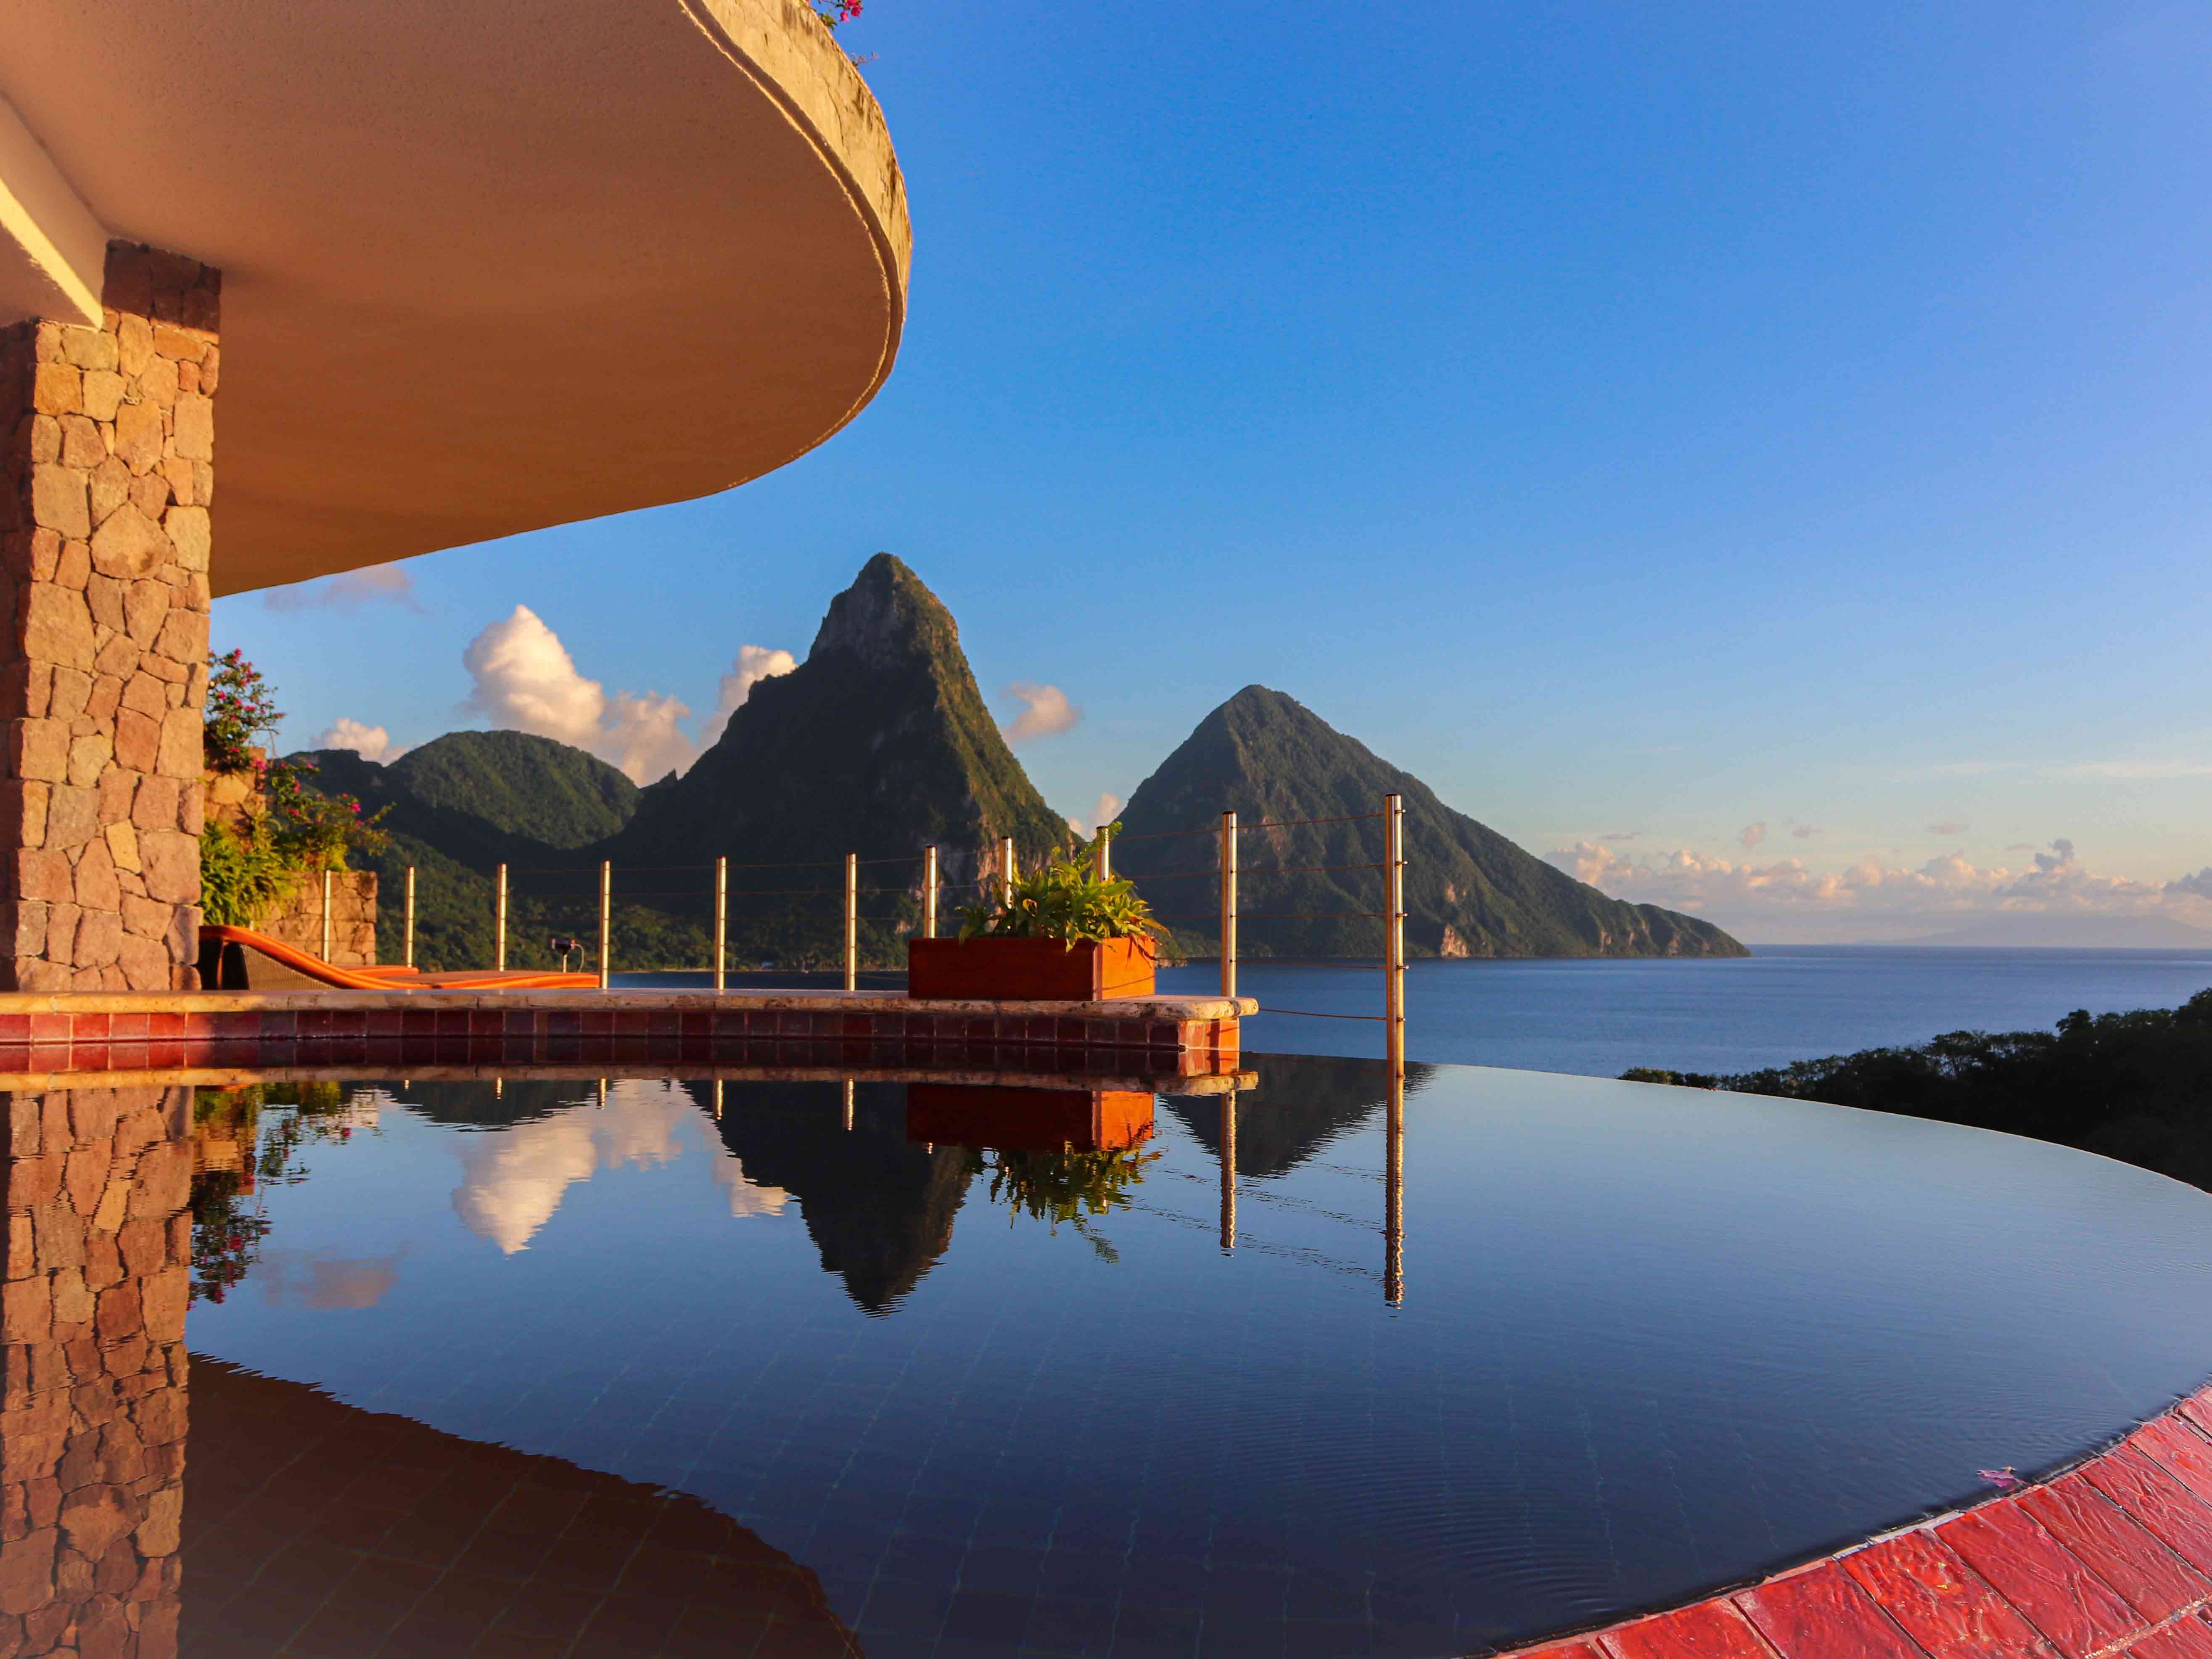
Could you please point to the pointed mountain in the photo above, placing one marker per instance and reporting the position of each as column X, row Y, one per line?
column 1469, row 891
column 877, row 744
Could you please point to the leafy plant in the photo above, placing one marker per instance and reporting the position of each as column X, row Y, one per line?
column 1062, row 897
column 316, row 830
column 1066, row 1186
column 241, row 705
column 245, row 872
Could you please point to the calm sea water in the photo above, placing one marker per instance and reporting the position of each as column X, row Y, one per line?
column 1785, row 1003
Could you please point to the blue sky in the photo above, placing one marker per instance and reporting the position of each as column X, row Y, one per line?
column 1651, row 422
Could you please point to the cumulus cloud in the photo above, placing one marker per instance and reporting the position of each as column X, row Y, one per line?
column 369, row 742
column 1805, row 832
column 386, row 584
column 1101, row 815
column 754, row 664
column 526, row 680
column 1947, row 829
column 1045, row 712
column 1750, row 835
column 2055, row 882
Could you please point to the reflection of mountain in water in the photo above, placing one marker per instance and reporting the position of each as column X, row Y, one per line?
column 397, row 1515
column 878, row 1208
column 1303, row 1102
column 559, row 1133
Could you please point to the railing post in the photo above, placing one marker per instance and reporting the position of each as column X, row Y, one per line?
column 1105, row 853
column 1229, row 904
column 409, row 925
column 851, row 922
column 326, row 915
column 1005, row 867
column 498, row 924
column 929, row 892
column 1229, row 1171
column 848, row 1104
column 606, row 926
column 721, row 932
column 1393, row 1013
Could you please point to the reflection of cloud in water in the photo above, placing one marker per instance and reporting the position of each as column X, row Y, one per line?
column 516, row 1177
column 297, row 1278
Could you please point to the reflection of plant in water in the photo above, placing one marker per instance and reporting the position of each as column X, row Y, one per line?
column 242, row 1140
column 1066, row 1186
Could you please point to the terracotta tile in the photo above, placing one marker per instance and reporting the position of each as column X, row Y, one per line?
column 2186, row 1638
column 2198, row 1408
column 2179, row 1448
column 2079, row 1611
column 1821, row 1613
column 2177, row 1515
column 1560, row 1650
column 2151, row 1578
column 1707, row 1630
column 1942, row 1603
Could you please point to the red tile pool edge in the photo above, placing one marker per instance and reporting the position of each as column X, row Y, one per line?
column 2111, row 1557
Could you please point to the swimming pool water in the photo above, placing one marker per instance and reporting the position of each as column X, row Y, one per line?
column 1646, row 1342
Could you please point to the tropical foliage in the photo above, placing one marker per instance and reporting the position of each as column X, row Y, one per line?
column 1062, row 898
column 1067, row 1188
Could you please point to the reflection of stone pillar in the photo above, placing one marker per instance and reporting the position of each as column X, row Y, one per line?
column 106, row 470
column 92, row 1419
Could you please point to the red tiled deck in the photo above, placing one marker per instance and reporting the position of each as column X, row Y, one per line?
column 2113, row 1557
column 54, row 1036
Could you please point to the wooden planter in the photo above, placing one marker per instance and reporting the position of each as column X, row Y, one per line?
column 1039, row 969
column 1027, row 1120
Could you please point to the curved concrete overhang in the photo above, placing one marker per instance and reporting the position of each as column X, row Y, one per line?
column 487, row 267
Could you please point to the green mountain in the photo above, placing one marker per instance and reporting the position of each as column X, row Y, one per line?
column 1469, row 891
column 878, row 744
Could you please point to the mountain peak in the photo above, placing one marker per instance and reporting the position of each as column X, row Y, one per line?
column 886, row 617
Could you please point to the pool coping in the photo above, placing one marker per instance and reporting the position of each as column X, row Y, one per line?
column 2109, row 1556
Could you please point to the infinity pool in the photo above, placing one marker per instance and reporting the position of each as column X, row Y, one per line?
column 802, row 1368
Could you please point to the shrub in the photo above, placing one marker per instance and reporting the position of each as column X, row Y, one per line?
column 243, row 872
column 1062, row 898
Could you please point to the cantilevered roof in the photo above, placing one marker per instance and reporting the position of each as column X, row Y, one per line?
column 488, row 265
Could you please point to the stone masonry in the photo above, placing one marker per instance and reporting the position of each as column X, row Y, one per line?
column 93, row 1371
column 106, row 472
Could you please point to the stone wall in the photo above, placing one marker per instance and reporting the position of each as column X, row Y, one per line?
column 106, row 472
column 92, row 1417
column 353, row 919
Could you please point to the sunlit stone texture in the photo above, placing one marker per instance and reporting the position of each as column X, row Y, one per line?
column 106, row 477
column 92, row 1419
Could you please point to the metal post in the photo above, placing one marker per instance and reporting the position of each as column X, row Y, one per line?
column 717, row 1100
column 1394, row 933
column 410, row 926
column 1229, row 904
column 851, row 922
column 1394, row 1192
column 721, row 939
column 606, row 919
column 1229, row 1171
column 1005, row 867
column 498, row 924
column 327, row 878
column 848, row 1104
column 929, row 892
column 1105, row 853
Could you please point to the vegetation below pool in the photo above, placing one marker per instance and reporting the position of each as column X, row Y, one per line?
column 2136, row 1086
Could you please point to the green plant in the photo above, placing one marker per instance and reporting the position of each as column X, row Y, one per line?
column 1066, row 1186
column 245, row 872
column 1062, row 898
column 241, row 705
column 315, row 829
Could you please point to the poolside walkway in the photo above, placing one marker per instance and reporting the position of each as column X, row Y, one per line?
column 2114, row 1557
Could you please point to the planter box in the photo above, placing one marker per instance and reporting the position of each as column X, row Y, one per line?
column 1040, row 970
column 1027, row 1120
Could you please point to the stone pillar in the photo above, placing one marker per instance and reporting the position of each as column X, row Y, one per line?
column 106, row 472
column 93, row 1371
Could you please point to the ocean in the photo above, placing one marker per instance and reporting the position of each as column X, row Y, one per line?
column 1783, row 1003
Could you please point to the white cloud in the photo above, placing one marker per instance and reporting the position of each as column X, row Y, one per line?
column 1745, row 892
column 375, row 584
column 1045, row 712
column 754, row 664
column 369, row 742
column 526, row 680
column 1750, row 835
column 2133, row 770
column 1101, row 815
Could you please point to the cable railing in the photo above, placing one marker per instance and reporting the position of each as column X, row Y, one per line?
column 774, row 898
